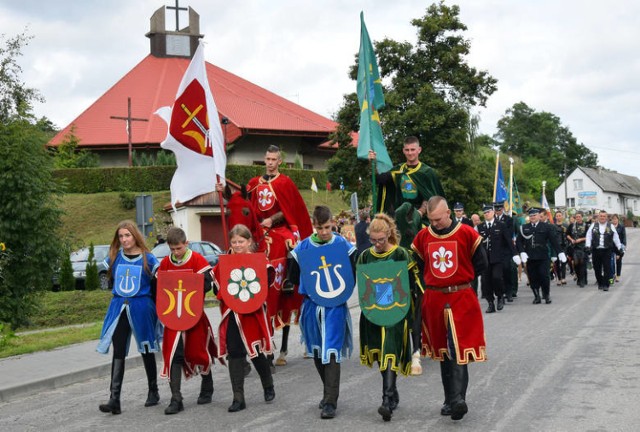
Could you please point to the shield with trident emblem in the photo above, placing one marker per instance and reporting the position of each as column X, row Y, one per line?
column 327, row 274
column 180, row 299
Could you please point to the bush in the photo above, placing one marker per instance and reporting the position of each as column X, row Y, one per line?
column 158, row 178
column 66, row 279
column 91, row 281
column 127, row 200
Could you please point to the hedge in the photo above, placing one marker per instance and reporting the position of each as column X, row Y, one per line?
column 158, row 178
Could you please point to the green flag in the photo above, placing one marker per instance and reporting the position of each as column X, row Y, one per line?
column 371, row 100
column 517, row 202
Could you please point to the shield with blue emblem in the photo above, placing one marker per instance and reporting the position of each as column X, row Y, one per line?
column 326, row 274
column 383, row 290
column 127, row 280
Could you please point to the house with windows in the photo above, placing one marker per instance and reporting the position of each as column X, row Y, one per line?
column 591, row 189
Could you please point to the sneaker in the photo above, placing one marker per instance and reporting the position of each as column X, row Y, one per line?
column 281, row 360
column 416, row 367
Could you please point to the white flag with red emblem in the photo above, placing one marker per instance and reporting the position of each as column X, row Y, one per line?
column 195, row 135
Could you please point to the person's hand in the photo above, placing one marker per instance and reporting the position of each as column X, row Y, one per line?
column 517, row 260
column 267, row 223
column 372, row 155
column 524, row 257
column 554, row 259
column 562, row 257
column 219, row 187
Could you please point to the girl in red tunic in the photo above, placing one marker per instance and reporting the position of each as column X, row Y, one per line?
column 242, row 334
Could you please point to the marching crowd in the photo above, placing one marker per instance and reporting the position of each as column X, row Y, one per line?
column 417, row 269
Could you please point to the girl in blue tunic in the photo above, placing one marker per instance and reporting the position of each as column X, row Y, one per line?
column 132, row 310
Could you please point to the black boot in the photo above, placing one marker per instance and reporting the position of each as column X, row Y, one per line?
column 500, row 304
column 459, row 381
column 388, row 385
column 264, row 370
column 236, row 374
column 332, row 389
column 206, row 388
column 536, row 296
column 117, row 374
column 445, row 375
column 175, row 379
column 153, row 397
column 491, row 308
column 320, row 368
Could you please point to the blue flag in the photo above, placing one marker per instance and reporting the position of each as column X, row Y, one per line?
column 500, row 191
column 371, row 99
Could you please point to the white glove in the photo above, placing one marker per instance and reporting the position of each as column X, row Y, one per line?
column 517, row 260
column 524, row 257
column 562, row 257
column 554, row 259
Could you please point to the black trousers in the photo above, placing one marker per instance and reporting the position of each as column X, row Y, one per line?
column 493, row 282
column 580, row 266
column 602, row 266
column 538, row 271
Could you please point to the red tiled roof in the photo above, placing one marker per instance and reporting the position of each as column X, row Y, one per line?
column 153, row 83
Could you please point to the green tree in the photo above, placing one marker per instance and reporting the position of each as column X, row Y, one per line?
column 67, row 154
column 430, row 91
column 65, row 277
column 91, row 281
column 542, row 136
column 29, row 195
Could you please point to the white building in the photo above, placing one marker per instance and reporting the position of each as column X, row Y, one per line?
column 599, row 189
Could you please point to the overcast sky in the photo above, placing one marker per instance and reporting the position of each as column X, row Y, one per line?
column 578, row 59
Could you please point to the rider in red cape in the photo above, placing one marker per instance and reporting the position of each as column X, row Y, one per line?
column 283, row 215
column 191, row 351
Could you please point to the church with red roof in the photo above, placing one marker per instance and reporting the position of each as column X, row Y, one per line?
column 252, row 118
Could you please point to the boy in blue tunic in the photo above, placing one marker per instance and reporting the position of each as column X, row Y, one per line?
column 325, row 321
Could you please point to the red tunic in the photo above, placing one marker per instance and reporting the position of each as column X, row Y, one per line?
column 267, row 198
column 254, row 328
column 448, row 262
column 199, row 344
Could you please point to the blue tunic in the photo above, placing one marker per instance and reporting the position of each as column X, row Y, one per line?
column 140, row 308
column 325, row 330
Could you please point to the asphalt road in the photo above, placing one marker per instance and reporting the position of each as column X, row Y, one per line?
column 569, row 366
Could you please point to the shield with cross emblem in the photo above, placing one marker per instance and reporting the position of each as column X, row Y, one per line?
column 180, row 299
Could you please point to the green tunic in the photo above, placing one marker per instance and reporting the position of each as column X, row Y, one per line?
column 388, row 345
column 407, row 184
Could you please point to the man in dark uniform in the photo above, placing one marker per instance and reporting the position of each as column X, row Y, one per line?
column 533, row 240
column 561, row 229
column 509, row 270
column 601, row 239
column 498, row 243
column 577, row 235
column 458, row 210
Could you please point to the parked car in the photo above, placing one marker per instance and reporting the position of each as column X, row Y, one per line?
column 79, row 261
column 207, row 249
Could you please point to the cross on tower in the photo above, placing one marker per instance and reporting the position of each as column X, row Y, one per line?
column 129, row 119
column 178, row 9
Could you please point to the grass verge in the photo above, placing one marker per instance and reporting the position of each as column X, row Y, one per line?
column 49, row 339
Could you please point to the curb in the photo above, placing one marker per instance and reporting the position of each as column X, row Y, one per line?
column 53, row 382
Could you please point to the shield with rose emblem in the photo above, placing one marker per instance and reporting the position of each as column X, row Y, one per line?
column 243, row 281
column 443, row 258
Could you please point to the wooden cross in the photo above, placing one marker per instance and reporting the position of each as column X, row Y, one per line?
column 129, row 119
column 178, row 9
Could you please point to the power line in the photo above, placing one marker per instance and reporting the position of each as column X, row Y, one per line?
column 615, row 150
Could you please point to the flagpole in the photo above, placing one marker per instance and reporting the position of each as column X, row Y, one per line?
column 495, row 178
column 511, row 185
column 223, row 216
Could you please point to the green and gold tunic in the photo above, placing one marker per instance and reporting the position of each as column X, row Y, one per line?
column 389, row 345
